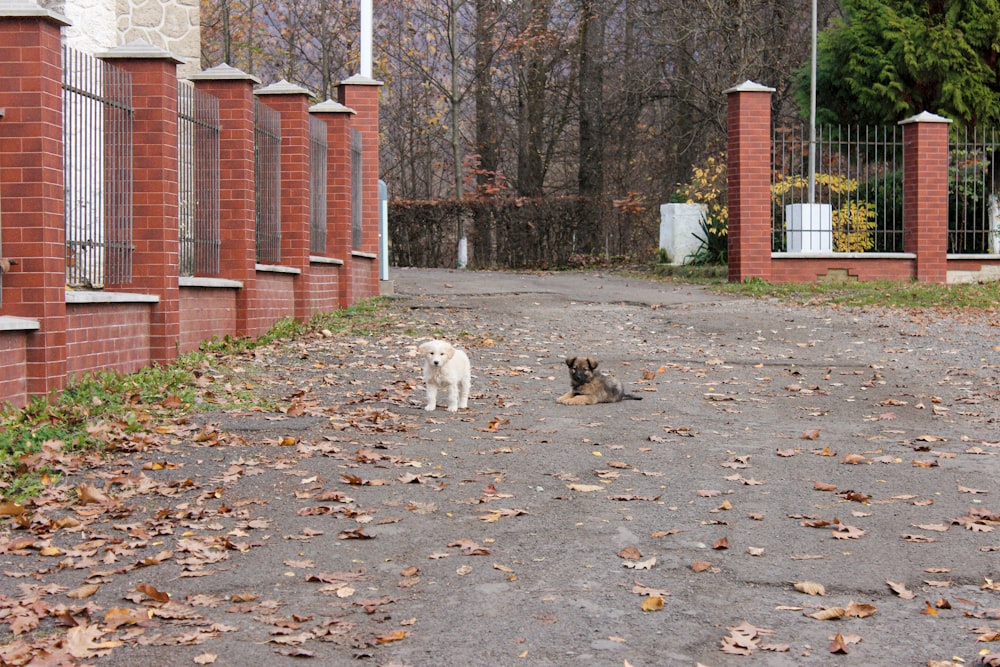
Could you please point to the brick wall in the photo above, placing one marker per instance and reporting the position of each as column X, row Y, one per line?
column 124, row 343
column 152, row 318
column 324, row 288
column 925, row 207
column 14, row 367
column 275, row 299
column 206, row 313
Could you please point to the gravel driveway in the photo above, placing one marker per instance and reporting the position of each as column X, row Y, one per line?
column 778, row 452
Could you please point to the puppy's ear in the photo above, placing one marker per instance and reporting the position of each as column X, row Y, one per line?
column 449, row 351
column 571, row 361
column 424, row 348
column 592, row 363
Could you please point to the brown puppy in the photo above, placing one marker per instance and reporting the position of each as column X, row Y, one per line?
column 590, row 387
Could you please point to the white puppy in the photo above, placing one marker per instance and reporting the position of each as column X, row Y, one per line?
column 446, row 368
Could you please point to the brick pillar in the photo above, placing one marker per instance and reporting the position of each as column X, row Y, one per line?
column 237, row 196
column 361, row 94
column 32, row 186
column 338, row 189
column 749, row 175
column 292, row 102
column 925, row 194
column 155, row 215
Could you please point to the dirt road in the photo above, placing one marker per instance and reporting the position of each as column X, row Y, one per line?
column 776, row 448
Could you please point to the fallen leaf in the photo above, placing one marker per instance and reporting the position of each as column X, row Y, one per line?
column 860, row 610
column 838, row 646
column 205, row 658
column 585, row 488
column 153, row 593
column 652, row 603
column 83, row 592
column 641, row 565
column 630, row 553
column 391, row 637
column 901, row 590
column 810, row 588
column 828, row 614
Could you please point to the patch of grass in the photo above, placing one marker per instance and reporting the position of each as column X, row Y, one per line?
column 691, row 273
column 898, row 294
column 911, row 295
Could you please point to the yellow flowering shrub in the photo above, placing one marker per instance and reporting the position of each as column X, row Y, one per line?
column 708, row 186
column 853, row 223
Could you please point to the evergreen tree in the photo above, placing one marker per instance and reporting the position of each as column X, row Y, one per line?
column 888, row 59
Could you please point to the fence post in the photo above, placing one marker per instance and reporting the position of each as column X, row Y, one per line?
column 925, row 194
column 337, row 118
column 292, row 103
column 32, row 186
column 155, row 217
column 361, row 94
column 237, row 197
column 749, row 181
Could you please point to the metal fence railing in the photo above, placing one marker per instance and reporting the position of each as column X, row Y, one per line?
column 317, row 186
column 267, row 181
column 356, row 190
column 973, row 216
column 858, row 180
column 97, row 165
column 198, row 131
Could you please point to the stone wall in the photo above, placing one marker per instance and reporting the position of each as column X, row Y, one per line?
column 100, row 25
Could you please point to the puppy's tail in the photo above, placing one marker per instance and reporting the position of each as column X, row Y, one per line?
column 631, row 397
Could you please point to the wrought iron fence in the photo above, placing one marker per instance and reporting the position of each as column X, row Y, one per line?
column 317, row 186
column 973, row 216
column 198, row 130
column 858, row 183
column 97, row 165
column 267, row 181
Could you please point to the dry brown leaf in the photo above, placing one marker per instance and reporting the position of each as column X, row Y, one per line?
column 652, row 603
column 860, row 609
column 153, row 593
column 391, row 637
column 81, row 641
column 630, row 553
column 83, row 592
column 641, row 565
column 700, row 565
column 810, row 588
column 585, row 488
column 11, row 509
column 828, row 614
column 901, row 590
column 838, row 646
column 205, row 658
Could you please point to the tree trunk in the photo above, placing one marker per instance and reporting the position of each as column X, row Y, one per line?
column 591, row 139
column 531, row 98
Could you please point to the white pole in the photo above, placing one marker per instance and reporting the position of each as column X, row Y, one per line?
column 812, row 112
column 366, row 38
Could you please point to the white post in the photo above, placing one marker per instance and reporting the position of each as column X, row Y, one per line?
column 366, row 38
